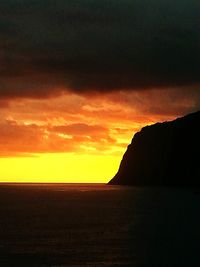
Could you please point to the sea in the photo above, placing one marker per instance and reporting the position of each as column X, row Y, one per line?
column 98, row 225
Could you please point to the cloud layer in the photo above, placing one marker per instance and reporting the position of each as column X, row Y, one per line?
column 22, row 139
column 47, row 47
column 102, row 125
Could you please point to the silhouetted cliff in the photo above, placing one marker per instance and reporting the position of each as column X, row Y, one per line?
column 163, row 154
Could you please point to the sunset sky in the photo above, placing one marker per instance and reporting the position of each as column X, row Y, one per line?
column 79, row 78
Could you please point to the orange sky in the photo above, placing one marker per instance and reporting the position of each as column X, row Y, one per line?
column 75, row 138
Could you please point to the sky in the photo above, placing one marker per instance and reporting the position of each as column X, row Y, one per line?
column 79, row 78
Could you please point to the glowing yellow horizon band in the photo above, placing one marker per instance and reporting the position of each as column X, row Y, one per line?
column 59, row 168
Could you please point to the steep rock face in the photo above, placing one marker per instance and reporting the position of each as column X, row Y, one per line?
column 163, row 154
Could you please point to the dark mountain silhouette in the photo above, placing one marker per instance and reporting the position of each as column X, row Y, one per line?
column 165, row 153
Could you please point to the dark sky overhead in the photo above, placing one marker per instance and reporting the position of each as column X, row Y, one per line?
column 97, row 45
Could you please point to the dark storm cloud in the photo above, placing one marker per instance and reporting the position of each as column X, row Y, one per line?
column 97, row 45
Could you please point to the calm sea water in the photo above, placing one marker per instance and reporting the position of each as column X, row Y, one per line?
column 98, row 225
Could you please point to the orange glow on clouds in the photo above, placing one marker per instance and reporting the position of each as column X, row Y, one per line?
column 71, row 138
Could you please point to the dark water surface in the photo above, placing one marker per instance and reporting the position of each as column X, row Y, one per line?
column 98, row 225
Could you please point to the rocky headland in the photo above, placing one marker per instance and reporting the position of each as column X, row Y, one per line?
column 163, row 154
